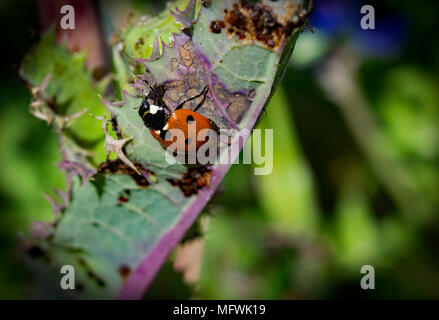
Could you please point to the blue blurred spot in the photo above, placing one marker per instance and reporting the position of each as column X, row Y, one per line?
column 341, row 19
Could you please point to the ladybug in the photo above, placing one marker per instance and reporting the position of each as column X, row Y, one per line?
column 160, row 120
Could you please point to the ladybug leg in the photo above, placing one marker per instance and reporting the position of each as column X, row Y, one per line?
column 200, row 104
column 164, row 105
column 203, row 92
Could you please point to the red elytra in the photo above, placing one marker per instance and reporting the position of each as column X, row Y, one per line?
column 184, row 119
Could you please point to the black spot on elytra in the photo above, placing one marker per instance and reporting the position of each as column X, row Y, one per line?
column 190, row 119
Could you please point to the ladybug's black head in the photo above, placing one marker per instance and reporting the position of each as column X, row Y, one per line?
column 154, row 117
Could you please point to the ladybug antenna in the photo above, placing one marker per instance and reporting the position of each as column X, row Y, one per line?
column 154, row 91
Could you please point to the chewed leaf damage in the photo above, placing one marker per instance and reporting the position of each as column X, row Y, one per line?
column 193, row 180
column 119, row 222
column 189, row 74
column 259, row 22
column 118, row 167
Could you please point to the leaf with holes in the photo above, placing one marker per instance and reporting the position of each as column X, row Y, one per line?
column 120, row 226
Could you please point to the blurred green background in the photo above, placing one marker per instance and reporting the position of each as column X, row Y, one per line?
column 355, row 178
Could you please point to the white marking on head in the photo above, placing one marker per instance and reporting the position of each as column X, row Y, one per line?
column 157, row 131
column 153, row 108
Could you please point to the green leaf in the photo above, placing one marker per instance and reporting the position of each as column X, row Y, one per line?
column 288, row 193
column 71, row 88
column 119, row 227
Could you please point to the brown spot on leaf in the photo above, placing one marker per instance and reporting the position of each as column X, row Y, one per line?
column 98, row 73
column 236, row 110
column 139, row 44
column 209, row 105
column 124, row 271
column 118, row 167
column 238, row 103
column 174, row 90
column 186, row 56
column 193, row 180
column 192, row 92
column 174, row 64
column 193, row 81
column 256, row 21
column 216, row 26
column 123, row 199
column 188, row 46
